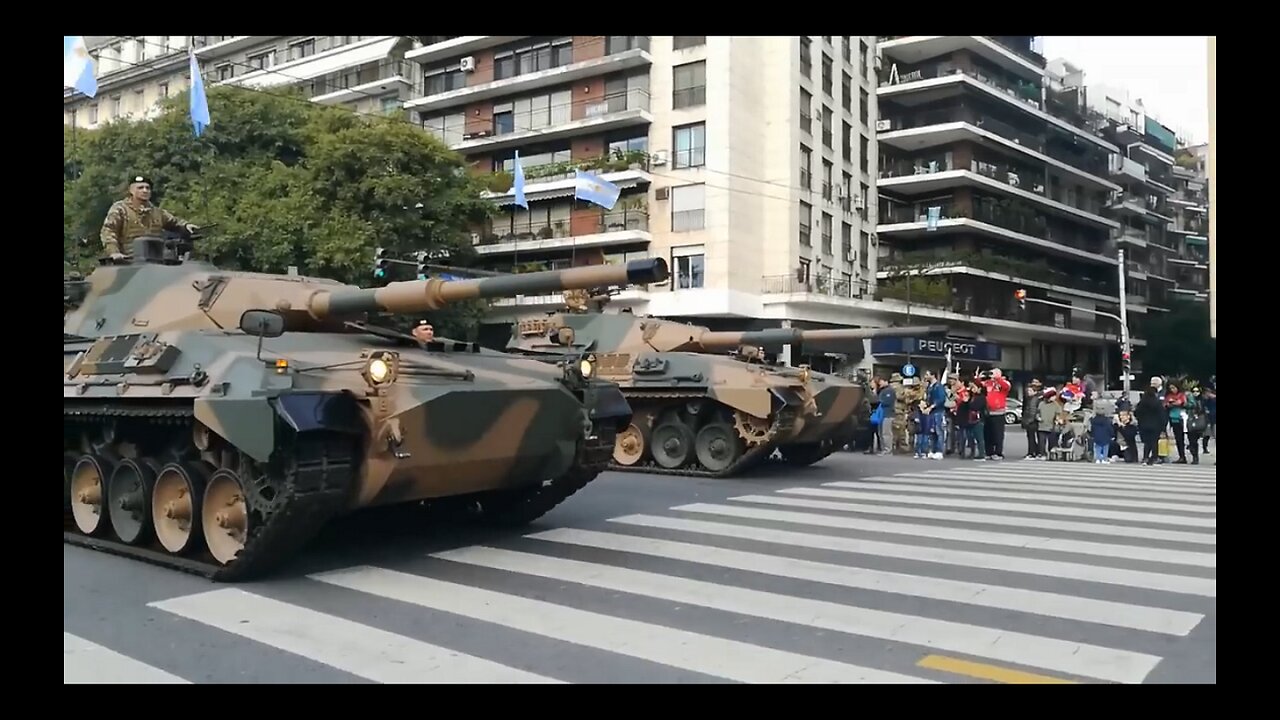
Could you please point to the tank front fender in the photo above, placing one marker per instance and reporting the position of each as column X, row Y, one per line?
column 249, row 423
column 607, row 404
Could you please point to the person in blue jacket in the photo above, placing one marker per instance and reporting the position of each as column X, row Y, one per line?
column 1102, row 428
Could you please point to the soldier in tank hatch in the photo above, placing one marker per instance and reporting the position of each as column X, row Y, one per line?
column 135, row 217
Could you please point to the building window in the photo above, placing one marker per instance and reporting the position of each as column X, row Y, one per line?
column 846, row 242
column 864, row 251
column 226, row 72
column 806, row 56
column 864, row 59
column 615, row 44
column 826, row 126
column 846, row 182
column 691, row 146
column 684, row 42
column 690, row 85
column 846, row 141
column 261, row 61
column 864, row 194
column 826, row 180
column 846, row 92
column 864, row 146
column 826, row 234
column 93, row 114
column 688, row 208
column 806, row 168
column 444, row 81
column 304, row 49
column 532, row 113
column 806, row 221
column 806, row 116
column 845, row 49
column 390, row 105
column 689, row 262
column 864, row 106
column 828, row 77
column 116, row 103
column 164, row 90
column 533, row 58
column 448, row 128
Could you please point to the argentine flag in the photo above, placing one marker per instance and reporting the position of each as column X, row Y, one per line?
column 78, row 70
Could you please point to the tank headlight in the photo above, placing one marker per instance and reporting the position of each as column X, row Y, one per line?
column 587, row 367
column 380, row 368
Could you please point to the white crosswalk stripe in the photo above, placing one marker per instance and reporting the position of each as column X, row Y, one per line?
column 1082, row 573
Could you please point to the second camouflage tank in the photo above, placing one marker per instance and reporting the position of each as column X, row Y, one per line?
column 699, row 410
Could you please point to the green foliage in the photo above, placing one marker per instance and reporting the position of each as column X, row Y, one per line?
column 1178, row 342
column 287, row 182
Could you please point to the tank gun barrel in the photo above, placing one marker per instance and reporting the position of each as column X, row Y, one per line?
column 415, row 296
column 778, row 337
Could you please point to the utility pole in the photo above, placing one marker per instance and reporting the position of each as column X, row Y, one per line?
column 1124, row 326
column 1021, row 295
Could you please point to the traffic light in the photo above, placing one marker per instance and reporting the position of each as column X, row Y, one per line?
column 422, row 264
column 1126, row 361
column 1022, row 298
column 381, row 263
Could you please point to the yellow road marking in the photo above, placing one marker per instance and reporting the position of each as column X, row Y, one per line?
column 988, row 672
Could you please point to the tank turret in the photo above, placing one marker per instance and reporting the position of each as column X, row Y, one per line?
column 155, row 292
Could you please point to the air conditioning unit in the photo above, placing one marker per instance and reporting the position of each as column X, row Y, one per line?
column 662, row 193
column 468, row 64
column 884, row 125
column 658, row 159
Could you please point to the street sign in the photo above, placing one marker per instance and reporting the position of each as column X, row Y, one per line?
column 908, row 370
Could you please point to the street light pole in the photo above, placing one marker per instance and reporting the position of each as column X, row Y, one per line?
column 1124, row 329
column 1124, row 326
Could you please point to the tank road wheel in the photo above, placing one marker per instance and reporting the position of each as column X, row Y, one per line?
column 175, row 506
column 630, row 445
column 89, row 494
column 718, row 446
column 672, row 443
column 129, row 495
column 225, row 516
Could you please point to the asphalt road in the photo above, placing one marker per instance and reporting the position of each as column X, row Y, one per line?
column 860, row 569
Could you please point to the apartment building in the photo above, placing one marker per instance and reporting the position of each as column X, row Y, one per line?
column 367, row 74
column 995, row 176
column 1189, row 231
column 746, row 162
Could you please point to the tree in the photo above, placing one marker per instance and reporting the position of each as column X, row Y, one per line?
column 286, row 182
column 1178, row 342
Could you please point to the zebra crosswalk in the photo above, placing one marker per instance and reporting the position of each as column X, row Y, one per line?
column 1006, row 572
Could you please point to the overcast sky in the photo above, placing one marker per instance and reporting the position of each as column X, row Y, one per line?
column 1169, row 74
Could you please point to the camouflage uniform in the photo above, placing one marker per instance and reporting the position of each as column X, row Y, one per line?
column 908, row 396
column 124, row 223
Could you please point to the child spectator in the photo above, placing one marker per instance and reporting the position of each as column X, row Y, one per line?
column 922, row 425
column 1103, row 430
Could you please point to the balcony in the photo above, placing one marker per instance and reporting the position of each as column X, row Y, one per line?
column 337, row 58
column 456, row 46
column 1005, row 219
column 914, row 177
column 613, row 112
column 929, row 83
column 997, row 267
column 914, row 49
column 1136, row 238
column 816, row 285
column 556, row 179
column 373, row 80
column 206, row 46
column 1129, row 203
column 626, row 224
column 1122, row 168
column 520, row 84
column 941, row 128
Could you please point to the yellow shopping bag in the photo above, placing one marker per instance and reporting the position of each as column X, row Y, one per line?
column 1162, row 447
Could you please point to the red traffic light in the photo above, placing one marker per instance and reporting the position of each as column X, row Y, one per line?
column 1020, row 294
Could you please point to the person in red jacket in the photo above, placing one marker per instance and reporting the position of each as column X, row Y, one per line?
column 997, row 397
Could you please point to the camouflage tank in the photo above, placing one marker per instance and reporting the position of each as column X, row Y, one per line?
column 214, row 421
column 699, row 413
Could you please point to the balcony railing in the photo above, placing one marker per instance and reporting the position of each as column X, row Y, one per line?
column 1019, row 48
column 1010, row 215
column 818, row 285
column 547, row 118
column 348, row 79
column 634, row 219
column 502, row 180
column 1001, row 264
column 619, row 102
column 1021, row 91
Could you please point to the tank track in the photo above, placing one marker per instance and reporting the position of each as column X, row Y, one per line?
column 509, row 509
column 316, row 487
column 782, row 424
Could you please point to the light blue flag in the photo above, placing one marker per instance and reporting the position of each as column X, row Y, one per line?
column 199, row 103
column 518, row 185
column 595, row 189
column 78, row 69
